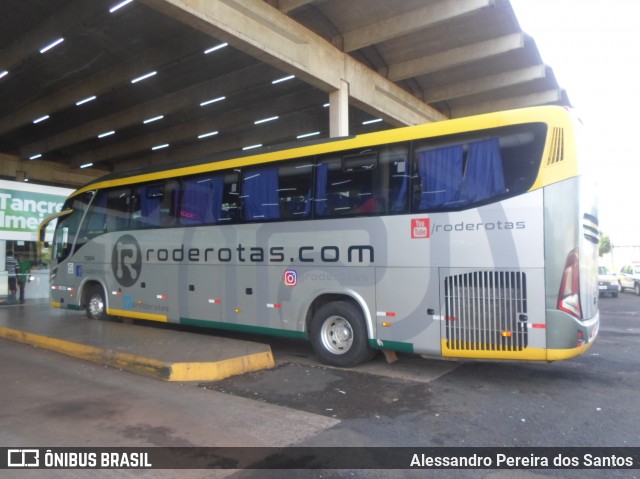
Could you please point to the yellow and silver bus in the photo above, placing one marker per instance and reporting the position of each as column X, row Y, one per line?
column 466, row 238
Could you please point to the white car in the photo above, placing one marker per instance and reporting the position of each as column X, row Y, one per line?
column 607, row 282
column 629, row 277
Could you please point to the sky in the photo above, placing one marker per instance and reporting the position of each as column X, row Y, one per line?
column 593, row 47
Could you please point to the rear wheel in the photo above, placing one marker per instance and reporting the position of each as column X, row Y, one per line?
column 339, row 335
column 96, row 305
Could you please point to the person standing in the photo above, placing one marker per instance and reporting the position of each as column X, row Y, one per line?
column 11, row 265
column 23, row 272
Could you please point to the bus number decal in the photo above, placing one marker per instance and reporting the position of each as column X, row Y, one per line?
column 126, row 260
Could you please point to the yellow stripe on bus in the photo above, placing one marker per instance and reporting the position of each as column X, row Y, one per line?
column 530, row 354
column 136, row 315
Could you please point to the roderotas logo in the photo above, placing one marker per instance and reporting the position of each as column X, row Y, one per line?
column 126, row 260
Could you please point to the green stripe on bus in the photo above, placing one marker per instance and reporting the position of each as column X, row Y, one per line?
column 391, row 345
column 285, row 333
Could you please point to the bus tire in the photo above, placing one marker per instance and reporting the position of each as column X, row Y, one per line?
column 339, row 335
column 96, row 305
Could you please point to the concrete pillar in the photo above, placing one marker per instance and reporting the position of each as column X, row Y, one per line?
column 339, row 111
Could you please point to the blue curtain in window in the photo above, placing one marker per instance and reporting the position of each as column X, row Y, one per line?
column 260, row 194
column 441, row 175
column 484, row 174
column 202, row 200
column 322, row 178
column 195, row 197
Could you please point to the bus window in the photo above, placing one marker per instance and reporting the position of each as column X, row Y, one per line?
column 451, row 175
column 260, row 194
column 458, row 176
column 119, row 204
column 277, row 192
column 371, row 181
column 67, row 227
column 294, row 190
column 95, row 222
column 158, row 204
column 209, row 199
column 201, row 199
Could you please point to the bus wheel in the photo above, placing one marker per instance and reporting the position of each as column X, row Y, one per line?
column 96, row 304
column 339, row 335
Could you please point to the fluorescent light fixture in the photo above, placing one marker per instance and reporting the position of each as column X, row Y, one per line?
column 369, row 122
column 217, row 47
column 159, row 147
column 119, row 5
column 106, row 133
column 264, row 120
column 251, row 147
column 307, row 135
column 205, row 135
column 280, row 80
column 86, row 100
column 213, row 100
column 143, row 77
column 48, row 47
column 42, row 118
column 86, row 165
column 3, row 73
column 36, row 156
column 26, row 180
column 155, row 118
column 326, row 105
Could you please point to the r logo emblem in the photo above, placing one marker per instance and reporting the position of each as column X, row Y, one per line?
column 126, row 260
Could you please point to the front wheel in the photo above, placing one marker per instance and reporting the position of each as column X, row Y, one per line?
column 339, row 335
column 637, row 289
column 96, row 305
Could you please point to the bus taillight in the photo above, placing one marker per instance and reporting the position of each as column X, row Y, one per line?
column 569, row 295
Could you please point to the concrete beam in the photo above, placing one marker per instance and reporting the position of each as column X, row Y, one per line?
column 286, row 6
column 101, row 82
column 278, row 134
column 547, row 97
column 409, row 22
column 272, row 37
column 485, row 84
column 231, row 120
column 29, row 44
column 187, row 98
column 454, row 57
column 46, row 171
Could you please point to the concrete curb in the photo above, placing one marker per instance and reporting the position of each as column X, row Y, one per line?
column 166, row 371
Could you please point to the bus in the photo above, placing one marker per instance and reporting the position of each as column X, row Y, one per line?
column 467, row 238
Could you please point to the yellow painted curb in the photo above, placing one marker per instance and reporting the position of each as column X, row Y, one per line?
column 166, row 371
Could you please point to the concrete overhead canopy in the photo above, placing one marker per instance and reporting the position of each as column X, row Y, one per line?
column 120, row 85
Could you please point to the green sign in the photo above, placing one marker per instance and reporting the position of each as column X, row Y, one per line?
column 21, row 210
